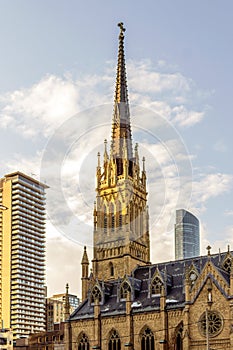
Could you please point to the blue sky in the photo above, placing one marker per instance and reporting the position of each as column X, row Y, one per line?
column 58, row 58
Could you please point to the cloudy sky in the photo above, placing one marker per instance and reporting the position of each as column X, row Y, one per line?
column 58, row 64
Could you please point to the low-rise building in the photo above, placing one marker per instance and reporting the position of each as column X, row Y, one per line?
column 55, row 308
column 6, row 339
column 50, row 340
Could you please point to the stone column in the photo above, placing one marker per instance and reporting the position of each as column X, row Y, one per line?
column 97, row 325
column 163, row 335
column 186, row 313
column 231, row 324
column 68, row 336
column 129, row 340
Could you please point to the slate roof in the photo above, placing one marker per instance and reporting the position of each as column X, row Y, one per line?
column 173, row 272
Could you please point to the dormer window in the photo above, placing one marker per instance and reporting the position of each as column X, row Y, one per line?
column 156, row 286
column 96, row 294
column 227, row 265
column 125, row 288
column 192, row 277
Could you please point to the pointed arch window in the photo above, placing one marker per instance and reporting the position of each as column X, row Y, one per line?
column 120, row 214
column 105, row 219
column 111, row 268
column 156, row 285
column 179, row 339
column 96, row 294
column 141, row 221
column 131, row 218
column 114, row 341
column 125, row 288
column 83, row 343
column 147, row 340
column 136, row 220
column 112, row 216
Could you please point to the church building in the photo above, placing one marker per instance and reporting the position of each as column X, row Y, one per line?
column 127, row 301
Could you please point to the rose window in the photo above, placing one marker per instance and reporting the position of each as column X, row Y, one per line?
column 215, row 323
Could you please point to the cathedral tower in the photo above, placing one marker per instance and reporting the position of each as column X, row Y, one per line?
column 121, row 230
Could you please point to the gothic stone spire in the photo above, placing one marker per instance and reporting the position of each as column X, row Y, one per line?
column 121, row 229
column 121, row 129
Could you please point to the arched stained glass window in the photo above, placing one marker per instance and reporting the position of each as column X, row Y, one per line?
column 114, row 341
column 83, row 343
column 179, row 339
column 147, row 340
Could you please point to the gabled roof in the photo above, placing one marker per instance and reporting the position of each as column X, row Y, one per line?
column 173, row 274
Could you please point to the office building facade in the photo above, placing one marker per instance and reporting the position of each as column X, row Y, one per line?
column 187, row 235
column 55, row 309
column 22, row 251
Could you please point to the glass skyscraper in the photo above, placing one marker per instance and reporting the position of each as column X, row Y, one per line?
column 187, row 235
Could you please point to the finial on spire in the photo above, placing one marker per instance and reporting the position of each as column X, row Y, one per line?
column 67, row 303
column 85, row 257
column 136, row 154
column 122, row 29
column 143, row 163
column 121, row 116
column 208, row 249
column 98, row 156
column 105, row 151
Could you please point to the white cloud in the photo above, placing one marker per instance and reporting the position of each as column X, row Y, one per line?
column 210, row 186
column 184, row 117
column 228, row 213
column 41, row 107
column 220, row 146
column 145, row 79
column 223, row 243
column 38, row 110
column 29, row 165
